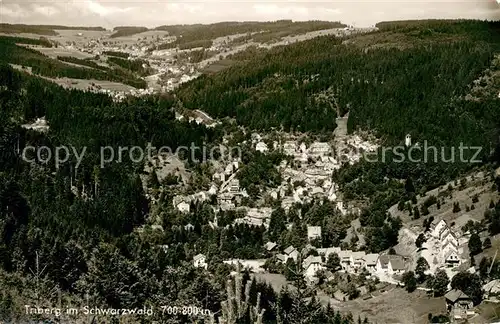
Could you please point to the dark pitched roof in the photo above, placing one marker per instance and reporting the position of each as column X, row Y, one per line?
column 397, row 263
column 455, row 294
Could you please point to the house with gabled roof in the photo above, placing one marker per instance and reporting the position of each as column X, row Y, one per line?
column 370, row 261
column 270, row 246
column 492, row 288
column 456, row 298
column 313, row 232
column 281, row 257
column 357, row 260
column 289, row 253
column 437, row 227
column 452, row 259
column 199, row 261
column 311, row 265
column 345, row 259
column 391, row 264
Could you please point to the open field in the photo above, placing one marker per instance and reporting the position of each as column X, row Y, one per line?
column 488, row 313
column 395, row 305
column 81, row 84
column 24, row 35
column 54, row 52
column 85, row 84
column 479, row 183
column 212, row 64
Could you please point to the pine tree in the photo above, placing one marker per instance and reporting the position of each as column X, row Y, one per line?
column 416, row 213
column 440, row 283
column 487, row 243
column 475, row 245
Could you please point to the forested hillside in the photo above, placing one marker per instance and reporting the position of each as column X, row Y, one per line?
column 390, row 91
column 48, row 30
column 78, row 224
column 127, row 31
column 191, row 36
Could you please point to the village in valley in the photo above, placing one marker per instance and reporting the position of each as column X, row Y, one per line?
column 296, row 210
column 347, row 272
column 166, row 68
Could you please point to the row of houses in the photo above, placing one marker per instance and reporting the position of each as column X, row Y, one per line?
column 350, row 261
column 315, row 149
column 446, row 243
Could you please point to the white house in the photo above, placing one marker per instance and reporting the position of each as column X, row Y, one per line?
column 313, row 232
column 390, row 264
column 291, row 252
column 302, row 148
column 370, row 261
column 448, row 244
column 234, row 186
column 311, row 265
column 289, row 147
column 357, row 260
column 447, row 236
column 261, row 147
column 345, row 259
column 200, row 261
column 452, row 259
column 213, row 190
column 229, row 169
column 183, row 207
column 437, row 227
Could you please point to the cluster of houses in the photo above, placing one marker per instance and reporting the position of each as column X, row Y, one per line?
column 301, row 184
column 312, row 168
column 442, row 247
column 183, row 203
column 350, row 261
column 179, row 72
column 447, row 243
column 382, row 266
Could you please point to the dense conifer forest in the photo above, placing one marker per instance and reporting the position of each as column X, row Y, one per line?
column 127, row 31
column 83, row 243
column 47, row 30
